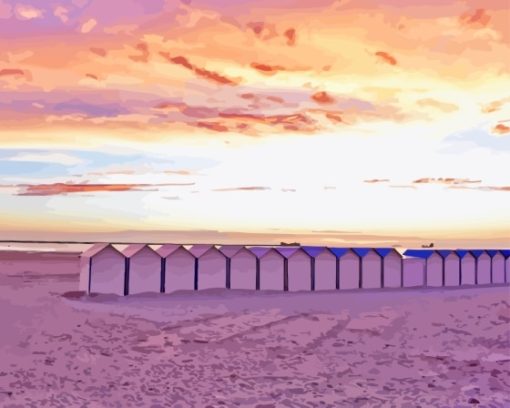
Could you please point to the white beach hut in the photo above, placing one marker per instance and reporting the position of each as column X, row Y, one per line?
column 241, row 267
column 349, row 268
column 270, row 268
column 434, row 266
column 178, row 268
column 413, row 271
column 102, row 270
column 371, row 268
column 497, row 266
column 451, row 267
column 324, row 267
column 212, row 267
column 506, row 254
column 483, row 266
column 467, row 267
column 297, row 269
column 143, row 269
column 391, row 267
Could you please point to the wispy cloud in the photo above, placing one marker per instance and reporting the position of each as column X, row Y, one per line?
column 243, row 188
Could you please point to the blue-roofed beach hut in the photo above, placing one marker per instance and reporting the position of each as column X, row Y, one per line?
column 451, row 267
column 506, row 254
column 370, row 267
column 497, row 266
column 391, row 267
column 323, row 267
column 467, row 267
column 483, row 266
column 433, row 264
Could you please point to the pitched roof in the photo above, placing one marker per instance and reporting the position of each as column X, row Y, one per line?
column 445, row 252
column 133, row 249
column 230, row 250
column 420, row 253
column 492, row 252
column 262, row 251
column 168, row 249
column 200, row 249
column 287, row 252
column 97, row 248
column 361, row 252
column 339, row 252
column 506, row 252
column 462, row 252
column 383, row 252
column 314, row 251
column 478, row 252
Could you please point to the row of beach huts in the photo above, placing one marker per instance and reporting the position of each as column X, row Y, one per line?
column 140, row 268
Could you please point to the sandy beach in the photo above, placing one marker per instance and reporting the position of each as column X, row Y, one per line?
column 410, row 348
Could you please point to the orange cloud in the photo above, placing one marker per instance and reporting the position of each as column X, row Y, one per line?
column 448, row 180
column 98, row 51
column 501, row 129
column 201, row 72
column 477, row 17
column 70, row 188
column 267, row 69
column 373, row 181
column 323, row 98
column 216, row 126
column 143, row 48
column 12, row 72
column 290, row 34
column 248, row 188
column 385, row 57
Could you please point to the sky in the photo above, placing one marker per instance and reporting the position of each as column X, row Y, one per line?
column 334, row 122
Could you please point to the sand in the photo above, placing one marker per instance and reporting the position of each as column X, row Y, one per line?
column 395, row 348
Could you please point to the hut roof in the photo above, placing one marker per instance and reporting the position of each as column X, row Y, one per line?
column 97, row 248
column 420, row 253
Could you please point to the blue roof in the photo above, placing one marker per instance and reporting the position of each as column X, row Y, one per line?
column 384, row 251
column 420, row 253
column 445, row 252
column 477, row 252
column 314, row 251
column 338, row 252
column 492, row 252
column 361, row 252
column 462, row 252
column 506, row 252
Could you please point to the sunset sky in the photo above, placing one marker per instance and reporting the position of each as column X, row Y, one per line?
column 347, row 122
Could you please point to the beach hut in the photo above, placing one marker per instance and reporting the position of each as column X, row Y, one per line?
column 323, row 263
column 102, row 270
column 483, row 266
column 413, row 271
column 241, row 267
column 467, row 267
column 297, row 269
column 391, row 267
column 178, row 268
column 506, row 254
column 434, row 267
column 143, row 269
column 348, row 268
column 497, row 266
column 370, row 268
column 270, row 268
column 451, row 267
column 211, row 268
